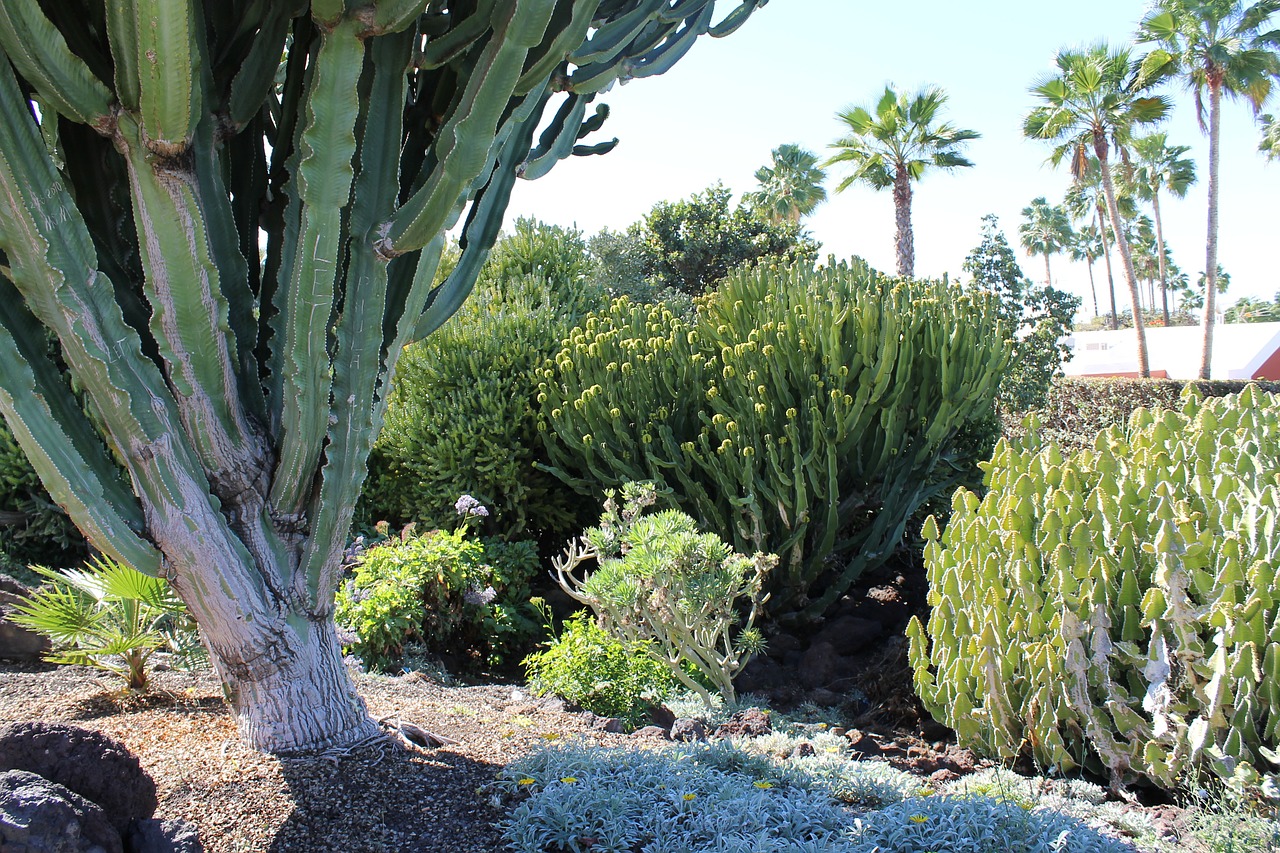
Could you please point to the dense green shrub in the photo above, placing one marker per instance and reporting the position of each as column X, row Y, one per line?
column 806, row 414
column 663, row 585
column 111, row 617
column 1116, row 608
column 462, row 416
column 33, row 529
column 588, row 667
column 1077, row 409
column 453, row 595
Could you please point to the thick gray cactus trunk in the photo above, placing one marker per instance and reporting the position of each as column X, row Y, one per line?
column 229, row 395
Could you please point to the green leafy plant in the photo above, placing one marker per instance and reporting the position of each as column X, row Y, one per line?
column 33, row 529
column 452, row 594
column 111, row 617
column 590, row 668
column 805, row 414
column 1115, row 608
column 661, row 581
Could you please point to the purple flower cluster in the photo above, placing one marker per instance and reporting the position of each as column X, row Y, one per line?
column 475, row 595
column 469, row 506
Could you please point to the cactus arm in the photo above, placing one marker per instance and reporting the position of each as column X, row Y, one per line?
column 61, row 443
column 557, row 141
column 612, row 36
column 190, row 313
column 569, row 23
column 359, row 379
column 660, row 59
column 41, row 56
column 170, row 63
column 443, row 49
column 393, row 16
column 730, row 23
column 464, row 142
column 257, row 75
column 323, row 188
column 484, row 220
column 122, row 35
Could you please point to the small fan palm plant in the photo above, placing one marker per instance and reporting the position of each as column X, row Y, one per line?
column 112, row 617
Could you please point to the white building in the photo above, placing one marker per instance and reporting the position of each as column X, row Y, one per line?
column 1240, row 351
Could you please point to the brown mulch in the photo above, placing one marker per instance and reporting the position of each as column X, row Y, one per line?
column 381, row 798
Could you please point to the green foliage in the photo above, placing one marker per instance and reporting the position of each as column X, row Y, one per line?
column 1077, row 409
column 1114, row 609
column 1249, row 310
column 452, row 594
column 588, row 667
column 661, row 583
column 805, row 414
column 791, row 188
column 462, row 416
column 1037, row 319
column 111, row 617
column 692, row 244
column 33, row 529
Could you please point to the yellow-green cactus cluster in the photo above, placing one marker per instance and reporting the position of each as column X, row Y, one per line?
column 1116, row 609
column 801, row 413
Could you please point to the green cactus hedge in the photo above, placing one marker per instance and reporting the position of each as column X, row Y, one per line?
column 806, row 414
column 1115, row 609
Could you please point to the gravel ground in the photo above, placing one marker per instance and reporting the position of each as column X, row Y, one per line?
column 382, row 798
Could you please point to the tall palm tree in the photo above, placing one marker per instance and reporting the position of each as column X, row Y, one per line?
column 1090, row 104
column 792, row 187
column 894, row 143
column 1158, row 165
column 1086, row 245
column 1086, row 202
column 1213, row 47
column 1045, row 230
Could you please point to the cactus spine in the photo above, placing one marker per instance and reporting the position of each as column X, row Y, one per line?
column 232, row 395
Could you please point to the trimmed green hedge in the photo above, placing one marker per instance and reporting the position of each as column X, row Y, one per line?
column 1078, row 409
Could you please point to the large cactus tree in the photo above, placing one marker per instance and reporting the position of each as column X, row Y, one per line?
column 220, row 223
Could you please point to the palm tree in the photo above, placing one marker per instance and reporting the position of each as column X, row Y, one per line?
column 1086, row 201
column 1213, row 46
column 1270, row 144
column 1086, row 245
column 1091, row 105
column 896, row 145
column 1045, row 230
column 791, row 188
column 1159, row 165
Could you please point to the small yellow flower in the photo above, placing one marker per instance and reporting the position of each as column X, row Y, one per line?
column 763, row 785
column 688, row 797
column 568, row 780
column 525, row 781
column 918, row 818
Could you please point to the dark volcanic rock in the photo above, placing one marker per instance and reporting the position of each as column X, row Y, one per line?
column 88, row 763
column 39, row 816
column 850, row 634
column 162, row 836
column 688, row 730
column 17, row 643
column 750, row 722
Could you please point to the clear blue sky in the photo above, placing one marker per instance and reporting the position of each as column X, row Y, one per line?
column 782, row 77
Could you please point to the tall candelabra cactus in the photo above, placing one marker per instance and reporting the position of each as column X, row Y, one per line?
column 227, row 251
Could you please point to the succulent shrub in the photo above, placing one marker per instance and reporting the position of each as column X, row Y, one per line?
column 462, row 416
column 111, row 617
column 976, row 825
column 452, row 594
column 806, row 414
column 1115, row 608
column 661, row 582
column 594, row 670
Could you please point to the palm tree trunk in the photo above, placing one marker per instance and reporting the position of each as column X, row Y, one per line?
column 1111, row 279
column 1093, row 289
column 1131, row 278
column 1211, row 241
column 905, row 242
column 1161, row 255
column 1048, row 278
